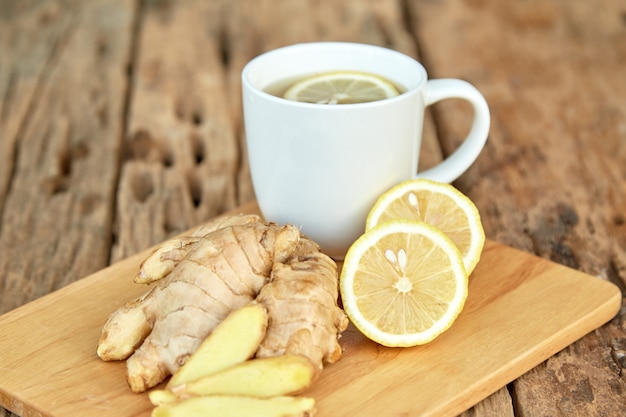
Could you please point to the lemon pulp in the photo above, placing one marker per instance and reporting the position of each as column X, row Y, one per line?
column 341, row 87
column 403, row 283
column 438, row 204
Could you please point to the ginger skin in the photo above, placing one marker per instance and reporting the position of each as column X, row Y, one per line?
column 164, row 258
column 222, row 272
column 232, row 265
column 301, row 300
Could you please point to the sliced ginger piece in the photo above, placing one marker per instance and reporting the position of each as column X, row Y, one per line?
column 260, row 378
column 237, row 406
column 233, row 341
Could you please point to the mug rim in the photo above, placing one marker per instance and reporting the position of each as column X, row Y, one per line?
column 418, row 83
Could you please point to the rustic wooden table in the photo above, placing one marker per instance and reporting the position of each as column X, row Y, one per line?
column 120, row 125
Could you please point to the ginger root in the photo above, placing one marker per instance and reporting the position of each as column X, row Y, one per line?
column 222, row 272
column 203, row 279
column 301, row 300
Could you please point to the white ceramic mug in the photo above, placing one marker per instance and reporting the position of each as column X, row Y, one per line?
column 322, row 167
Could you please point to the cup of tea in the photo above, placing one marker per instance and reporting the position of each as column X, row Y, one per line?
column 321, row 165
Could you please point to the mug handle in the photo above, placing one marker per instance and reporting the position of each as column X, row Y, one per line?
column 460, row 160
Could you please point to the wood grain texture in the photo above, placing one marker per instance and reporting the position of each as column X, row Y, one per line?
column 557, row 126
column 521, row 309
column 76, row 171
column 552, row 178
column 64, row 112
column 180, row 152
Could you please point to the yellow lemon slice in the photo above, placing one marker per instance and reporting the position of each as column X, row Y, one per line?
column 440, row 205
column 341, row 88
column 403, row 283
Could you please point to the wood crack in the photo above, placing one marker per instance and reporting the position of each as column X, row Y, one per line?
column 33, row 102
column 613, row 276
column 8, row 95
column 131, row 60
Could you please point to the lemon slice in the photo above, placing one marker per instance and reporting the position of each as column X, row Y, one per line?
column 438, row 204
column 341, row 88
column 403, row 283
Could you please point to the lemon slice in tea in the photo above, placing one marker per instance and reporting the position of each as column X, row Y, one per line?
column 341, row 87
column 438, row 204
column 403, row 283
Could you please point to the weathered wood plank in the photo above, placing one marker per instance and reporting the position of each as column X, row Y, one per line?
column 181, row 155
column 499, row 404
column 552, row 179
column 58, row 199
column 63, row 103
column 586, row 379
column 25, row 55
column 62, row 95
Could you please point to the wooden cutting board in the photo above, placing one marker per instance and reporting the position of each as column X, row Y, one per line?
column 521, row 310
